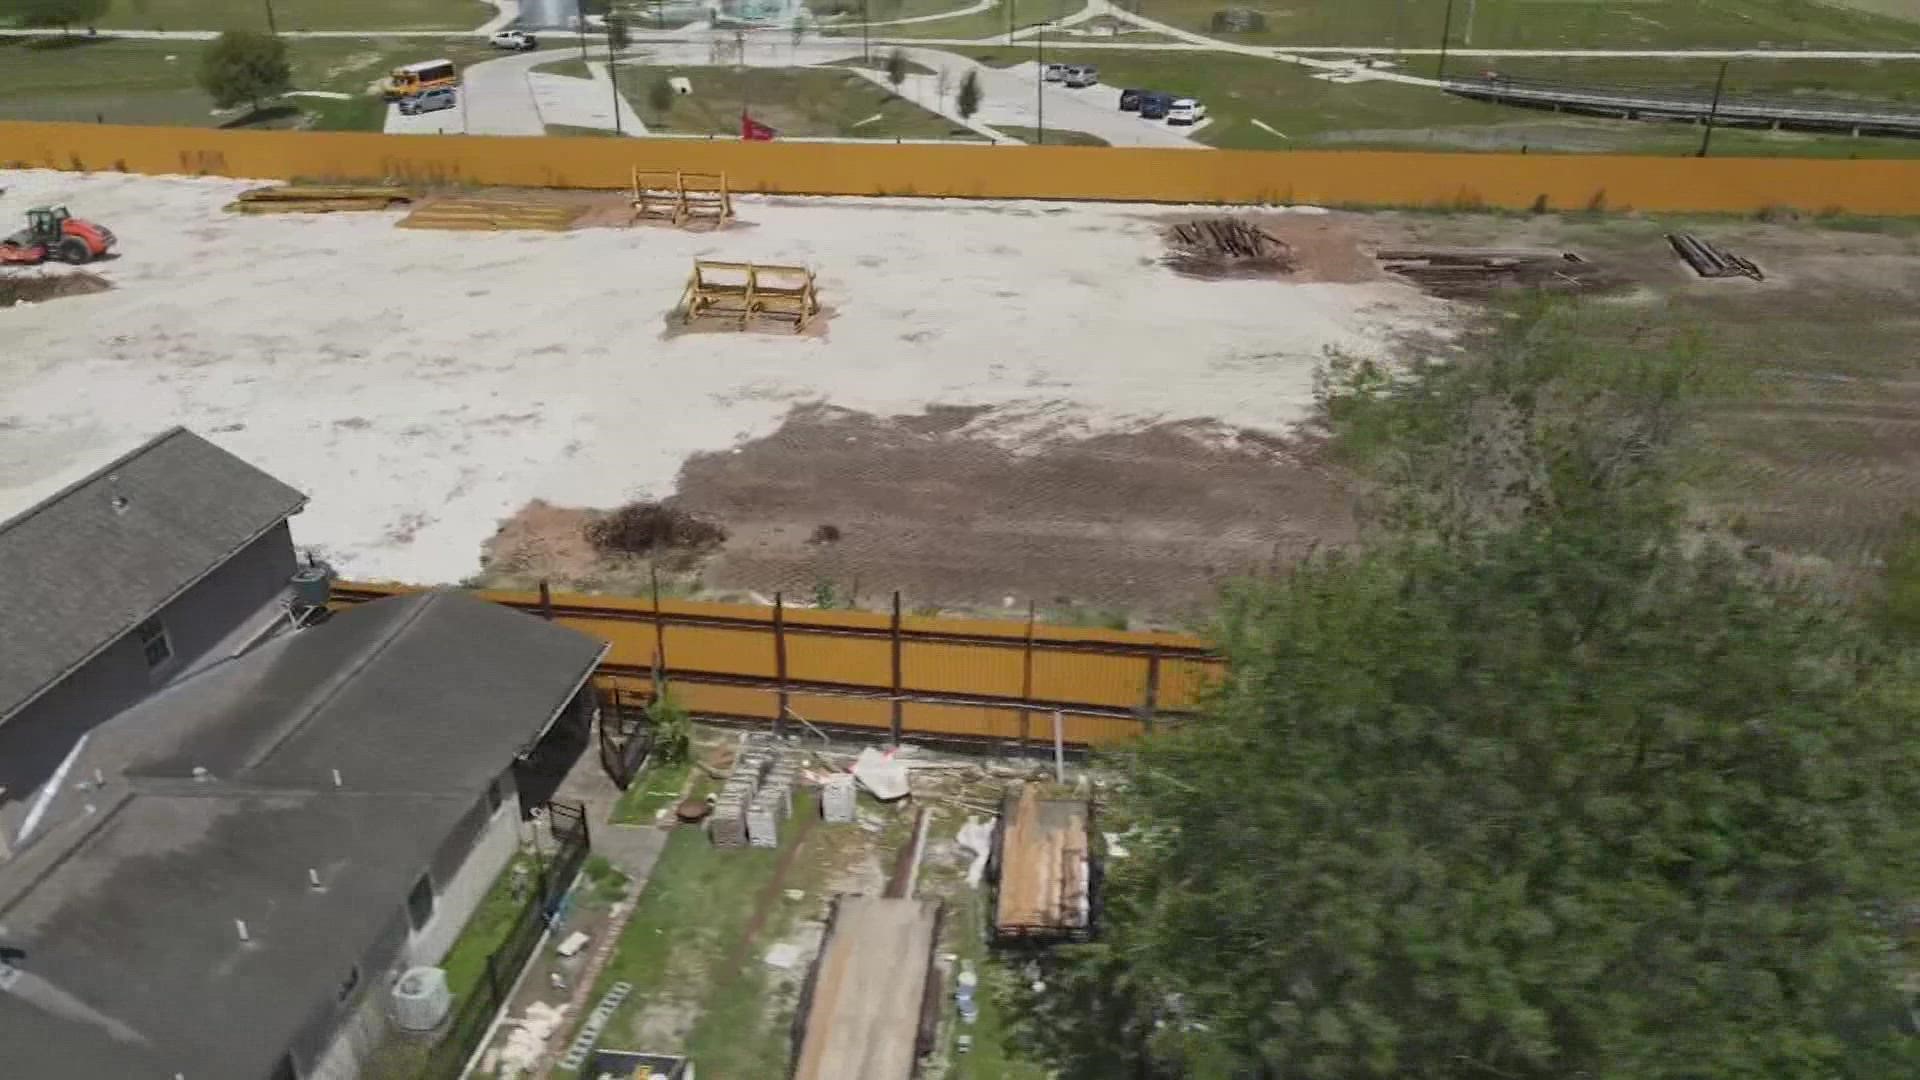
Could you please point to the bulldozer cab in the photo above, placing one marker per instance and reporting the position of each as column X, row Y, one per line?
column 44, row 222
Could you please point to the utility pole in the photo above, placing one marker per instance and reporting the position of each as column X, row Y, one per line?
column 866, row 41
column 1713, row 111
column 1446, row 29
column 1467, row 38
column 1011, row 5
column 580, row 22
column 1040, row 82
column 613, row 77
column 271, row 28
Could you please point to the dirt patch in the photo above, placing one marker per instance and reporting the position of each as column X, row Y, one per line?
column 1325, row 247
column 648, row 528
column 1148, row 522
column 1478, row 274
column 39, row 288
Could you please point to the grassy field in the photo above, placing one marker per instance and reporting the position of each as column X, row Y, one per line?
column 572, row 67
column 1054, row 137
column 1895, row 81
column 297, row 14
column 152, row 82
column 1544, row 24
column 658, row 787
column 794, row 102
column 1312, row 112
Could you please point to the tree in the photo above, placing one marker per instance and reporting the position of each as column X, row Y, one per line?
column 660, row 95
column 243, row 65
column 619, row 35
column 1534, row 784
column 897, row 68
column 64, row 14
column 969, row 98
column 798, row 29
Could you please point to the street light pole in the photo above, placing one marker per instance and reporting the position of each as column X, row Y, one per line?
column 580, row 22
column 271, row 28
column 1713, row 111
column 1446, row 29
column 1011, row 5
column 1040, row 82
column 866, row 42
column 614, row 79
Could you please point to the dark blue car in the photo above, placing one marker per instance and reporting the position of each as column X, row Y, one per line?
column 1154, row 106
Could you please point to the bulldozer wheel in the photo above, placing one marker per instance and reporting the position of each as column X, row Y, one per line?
column 73, row 250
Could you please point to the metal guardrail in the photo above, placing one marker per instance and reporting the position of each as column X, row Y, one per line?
column 1680, row 103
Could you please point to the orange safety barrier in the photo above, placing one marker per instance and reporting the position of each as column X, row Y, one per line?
column 1147, row 174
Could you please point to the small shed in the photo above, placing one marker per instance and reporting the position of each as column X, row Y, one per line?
column 1042, row 866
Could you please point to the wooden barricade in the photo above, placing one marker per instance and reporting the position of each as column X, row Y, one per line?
column 681, row 197
column 744, row 291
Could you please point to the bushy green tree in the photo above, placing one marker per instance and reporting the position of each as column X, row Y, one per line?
column 1534, row 785
column 896, row 68
column 968, row 98
column 62, row 13
column 243, row 65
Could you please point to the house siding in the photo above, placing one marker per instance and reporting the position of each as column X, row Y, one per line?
column 36, row 739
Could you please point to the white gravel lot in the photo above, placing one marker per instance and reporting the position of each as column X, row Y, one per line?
column 422, row 386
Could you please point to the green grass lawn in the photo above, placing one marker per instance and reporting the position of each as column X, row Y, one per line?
column 658, row 787
column 1054, row 137
column 794, row 102
column 1542, row 24
column 1314, row 113
column 572, row 67
column 297, row 14
column 687, row 950
column 152, row 82
column 486, row 931
column 1868, row 80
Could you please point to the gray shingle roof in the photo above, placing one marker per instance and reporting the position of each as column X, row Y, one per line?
column 124, row 901
column 88, row 564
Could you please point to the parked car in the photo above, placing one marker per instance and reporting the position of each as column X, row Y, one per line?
column 517, row 40
column 1130, row 99
column 431, row 101
column 1083, row 76
column 1154, row 106
column 1055, row 73
column 1186, row 111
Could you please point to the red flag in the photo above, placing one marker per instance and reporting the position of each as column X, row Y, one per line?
column 754, row 131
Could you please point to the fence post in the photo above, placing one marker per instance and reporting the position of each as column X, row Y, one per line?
column 1152, row 699
column 780, row 657
column 896, row 668
column 1026, row 683
column 546, row 601
column 659, row 631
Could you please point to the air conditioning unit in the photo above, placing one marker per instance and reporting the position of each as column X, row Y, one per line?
column 421, row 999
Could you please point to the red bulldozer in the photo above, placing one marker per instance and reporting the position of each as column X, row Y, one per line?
column 52, row 233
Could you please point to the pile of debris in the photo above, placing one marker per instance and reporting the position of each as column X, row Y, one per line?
column 1712, row 262
column 319, row 199
column 1226, row 247
column 1465, row 273
column 640, row 528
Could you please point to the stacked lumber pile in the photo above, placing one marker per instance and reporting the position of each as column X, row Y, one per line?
column 319, row 198
column 492, row 215
column 1045, row 881
column 1471, row 272
column 1712, row 262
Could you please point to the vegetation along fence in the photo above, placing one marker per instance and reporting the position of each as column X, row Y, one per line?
column 554, row 873
column 883, row 673
column 1148, row 174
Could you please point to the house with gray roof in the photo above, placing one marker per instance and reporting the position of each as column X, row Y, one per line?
column 173, row 555
column 229, row 877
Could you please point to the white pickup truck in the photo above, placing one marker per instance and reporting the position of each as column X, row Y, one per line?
column 517, row 40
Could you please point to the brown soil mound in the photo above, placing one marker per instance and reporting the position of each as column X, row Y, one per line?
column 38, row 288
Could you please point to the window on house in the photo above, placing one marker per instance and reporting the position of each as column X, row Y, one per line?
column 420, row 902
column 154, row 643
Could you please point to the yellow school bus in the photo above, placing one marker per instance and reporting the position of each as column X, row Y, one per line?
column 416, row 78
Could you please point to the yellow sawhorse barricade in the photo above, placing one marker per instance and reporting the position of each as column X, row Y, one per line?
column 681, row 197
column 746, row 291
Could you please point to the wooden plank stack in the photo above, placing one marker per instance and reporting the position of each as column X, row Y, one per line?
column 492, row 215
column 319, row 198
column 1712, row 262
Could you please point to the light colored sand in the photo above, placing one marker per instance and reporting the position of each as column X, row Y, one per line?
column 422, row 386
